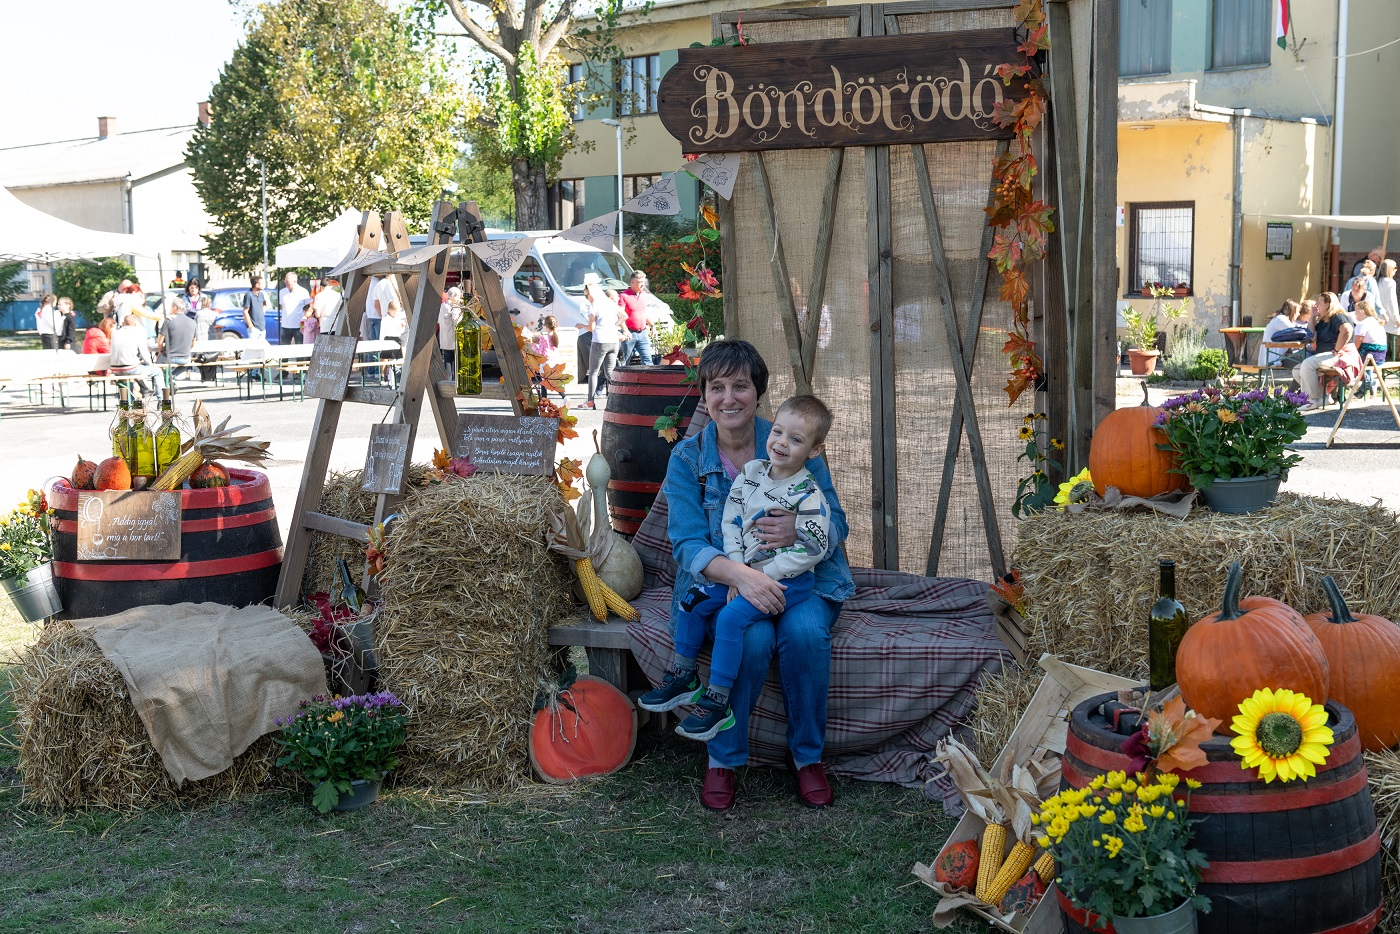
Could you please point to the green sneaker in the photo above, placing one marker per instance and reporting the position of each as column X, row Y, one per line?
column 711, row 716
column 678, row 689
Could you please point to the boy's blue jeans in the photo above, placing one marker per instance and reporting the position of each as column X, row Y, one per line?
column 744, row 642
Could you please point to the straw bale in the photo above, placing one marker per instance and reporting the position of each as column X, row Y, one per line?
column 342, row 497
column 1001, row 700
column 1384, row 770
column 81, row 743
column 467, row 599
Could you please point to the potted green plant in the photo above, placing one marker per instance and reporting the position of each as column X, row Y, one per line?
column 26, row 558
column 1142, row 340
column 343, row 746
column 1232, row 443
column 1123, row 851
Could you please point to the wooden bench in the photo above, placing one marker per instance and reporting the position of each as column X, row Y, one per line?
column 606, row 644
column 1266, row 373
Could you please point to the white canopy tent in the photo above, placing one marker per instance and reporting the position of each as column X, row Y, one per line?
column 1381, row 222
column 324, row 247
column 27, row 234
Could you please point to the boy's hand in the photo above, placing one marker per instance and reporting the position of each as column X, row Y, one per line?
column 733, row 592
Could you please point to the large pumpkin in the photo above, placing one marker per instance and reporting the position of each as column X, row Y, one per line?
column 589, row 728
column 1364, row 654
column 1124, row 453
column 1254, row 643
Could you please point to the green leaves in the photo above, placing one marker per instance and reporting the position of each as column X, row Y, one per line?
column 327, row 794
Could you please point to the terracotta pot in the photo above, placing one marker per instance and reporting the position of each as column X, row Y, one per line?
column 1143, row 362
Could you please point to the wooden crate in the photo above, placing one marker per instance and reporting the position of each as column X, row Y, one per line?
column 1044, row 726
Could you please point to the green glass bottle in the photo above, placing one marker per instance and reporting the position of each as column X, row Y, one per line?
column 140, row 447
column 468, row 356
column 117, row 432
column 1166, row 625
column 168, row 438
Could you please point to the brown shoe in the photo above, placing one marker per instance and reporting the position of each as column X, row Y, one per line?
column 813, row 789
column 717, row 794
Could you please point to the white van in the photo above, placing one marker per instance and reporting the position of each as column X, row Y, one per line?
column 550, row 281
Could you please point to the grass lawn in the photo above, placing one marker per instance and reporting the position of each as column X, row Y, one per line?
column 632, row 852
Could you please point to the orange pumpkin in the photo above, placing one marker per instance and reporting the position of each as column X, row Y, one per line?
column 1124, row 453
column 1254, row 643
column 590, row 728
column 1364, row 652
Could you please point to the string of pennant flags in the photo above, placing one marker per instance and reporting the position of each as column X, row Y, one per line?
column 719, row 170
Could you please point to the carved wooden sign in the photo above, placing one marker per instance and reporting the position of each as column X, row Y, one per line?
column 139, row 525
column 331, row 362
column 508, row 443
column 932, row 87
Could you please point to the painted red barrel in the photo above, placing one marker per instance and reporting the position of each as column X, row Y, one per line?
column 1285, row 857
column 230, row 553
column 636, row 454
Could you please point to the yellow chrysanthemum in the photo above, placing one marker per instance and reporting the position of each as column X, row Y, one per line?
column 1097, row 783
column 1115, row 779
column 1087, row 810
column 1282, row 733
column 1076, row 489
column 1156, row 810
column 1135, row 824
column 4, row 546
column 1226, row 416
column 1107, row 817
column 1115, row 797
column 1192, row 784
column 1113, row 845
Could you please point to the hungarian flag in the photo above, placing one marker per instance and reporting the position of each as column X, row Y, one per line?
column 1281, row 25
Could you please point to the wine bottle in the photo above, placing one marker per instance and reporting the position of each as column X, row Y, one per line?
column 117, row 432
column 140, row 450
column 468, row 356
column 168, row 438
column 1166, row 625
column 350, row 591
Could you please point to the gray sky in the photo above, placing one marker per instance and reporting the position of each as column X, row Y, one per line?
column 146, row 62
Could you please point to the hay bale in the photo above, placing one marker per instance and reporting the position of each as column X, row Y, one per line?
column 1091, row 577
column 467, row 598
column 81, row 743
column 1001, row 700
column 1384, row 771
column 342, row 497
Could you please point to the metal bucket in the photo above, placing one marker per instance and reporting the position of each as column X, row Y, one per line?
column 34, row 594
column 1180, row 920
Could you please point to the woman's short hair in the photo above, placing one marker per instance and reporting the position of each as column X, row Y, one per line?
column 1387, row 269
column 728, row 358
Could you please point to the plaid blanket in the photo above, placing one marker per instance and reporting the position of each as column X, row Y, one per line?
column 907, row 653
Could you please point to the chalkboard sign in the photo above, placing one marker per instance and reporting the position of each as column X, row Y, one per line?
column 508, row 444
column 386, row 460
column 329, row 372
column 129, row 525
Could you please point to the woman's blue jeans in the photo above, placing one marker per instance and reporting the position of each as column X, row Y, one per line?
column 802, row 638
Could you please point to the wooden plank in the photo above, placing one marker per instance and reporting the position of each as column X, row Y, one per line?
column 961, row 367
column 372, row 395
column 821, row 259
column 590, row 633
column 839, row 92
column 1063, row 175
column 782, row 16
column 949, row 6
column 320, row 522
column 488, row 288
column 1102, row 320
column 782, row 283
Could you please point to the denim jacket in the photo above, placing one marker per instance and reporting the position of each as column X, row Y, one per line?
column 696, row 536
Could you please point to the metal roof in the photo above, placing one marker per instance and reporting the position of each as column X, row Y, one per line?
column 78, row 161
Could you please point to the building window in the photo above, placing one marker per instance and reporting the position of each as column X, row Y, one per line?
column 566, row 203
column 1160, row 238
column 1144, row 37
column 577, row 76
column 1240, row 33
column 633, row 185
column 638, row 80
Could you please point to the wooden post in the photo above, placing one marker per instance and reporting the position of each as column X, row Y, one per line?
column 489, row 289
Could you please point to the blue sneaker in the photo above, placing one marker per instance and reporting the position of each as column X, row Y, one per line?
column 712, row 716
column 678, row 689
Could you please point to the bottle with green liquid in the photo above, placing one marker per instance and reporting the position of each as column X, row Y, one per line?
column 1166, row 625
column 139, row 447
column 168, row 437
column 468, row 356
column 117, row 432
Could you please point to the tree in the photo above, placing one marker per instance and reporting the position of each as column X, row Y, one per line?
column 346, row 103
column 485, row 180
column 525, row 98
column 11, row 284
column 86, row 282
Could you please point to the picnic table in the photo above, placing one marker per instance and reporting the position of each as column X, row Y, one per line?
column 1242, row 345
column 258, row 361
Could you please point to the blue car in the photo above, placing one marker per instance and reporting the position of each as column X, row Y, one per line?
column 228, row 309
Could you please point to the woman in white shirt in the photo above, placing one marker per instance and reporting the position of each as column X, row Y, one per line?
column 1286, row 317
column 391, row 328
column 449, row 313
column 606, row 319
column 45, row 320
column 1389, row 310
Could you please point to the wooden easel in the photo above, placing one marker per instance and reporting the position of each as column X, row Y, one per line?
column 420, row 275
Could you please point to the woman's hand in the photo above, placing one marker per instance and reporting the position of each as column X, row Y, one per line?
column 761, row 590
column 778, row 529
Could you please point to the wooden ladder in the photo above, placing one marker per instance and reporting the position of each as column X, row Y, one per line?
column 420, row 275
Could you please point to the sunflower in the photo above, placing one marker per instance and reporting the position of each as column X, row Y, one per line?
column 1283, row 733
column 1076, row 489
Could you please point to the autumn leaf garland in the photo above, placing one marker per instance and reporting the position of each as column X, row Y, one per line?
column 1022, row 222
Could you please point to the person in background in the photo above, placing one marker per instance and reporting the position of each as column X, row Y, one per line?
column 391, row 328
column 381, row 292
column 310, row 326
column 179, row 281
column 606, row 320
column 45, row 321
column 293, row 300
column 107, row 304
column 1367, row 275
column 1357, row 292
column 1332, row 333
column 449, row 313
column 254, row 309
column 204, row 318
column 68, row 324
column 1388, row 310
column 1369, row 333
column 546, row 344
column 326, row 304
column 98, row 339
column 1286, row 317
column 131, row 356
column 176, row 339
column 1375, row 256
column 635, row 305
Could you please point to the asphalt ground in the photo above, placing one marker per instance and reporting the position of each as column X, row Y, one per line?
column 42, row 441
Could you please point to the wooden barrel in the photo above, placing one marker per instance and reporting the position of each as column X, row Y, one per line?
column 230, row 552
column 1285, row 857
column 636, row 454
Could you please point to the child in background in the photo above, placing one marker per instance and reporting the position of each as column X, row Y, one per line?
column 546, row 344
column 783, row 482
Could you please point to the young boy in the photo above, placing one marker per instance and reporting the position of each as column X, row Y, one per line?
column 782, row 481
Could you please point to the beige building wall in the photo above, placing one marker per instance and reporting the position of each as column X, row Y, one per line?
column 98, row 205
column 1371, row 152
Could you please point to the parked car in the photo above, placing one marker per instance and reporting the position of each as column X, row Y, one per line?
column 228, row 310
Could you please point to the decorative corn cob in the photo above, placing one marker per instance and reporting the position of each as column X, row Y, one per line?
column 993, row 849
column 1045, row 867
column 567, row 540
column 210, row 444
column 1014, row 868
column 592, row 587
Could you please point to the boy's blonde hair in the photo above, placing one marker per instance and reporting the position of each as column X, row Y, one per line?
column 811, row 410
